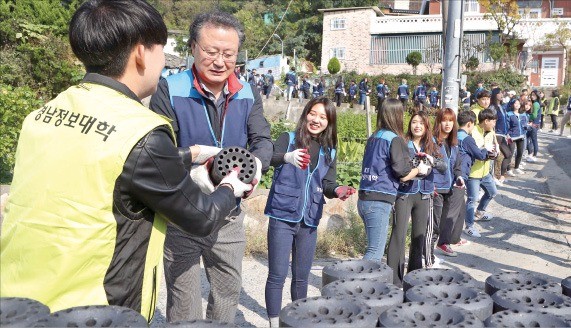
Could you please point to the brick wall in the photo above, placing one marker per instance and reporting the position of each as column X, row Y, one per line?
column 355, row 38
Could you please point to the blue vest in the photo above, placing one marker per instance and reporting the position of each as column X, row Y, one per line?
column 377, row 174
column 298, row 194
column 402, row 91
column 433, row 97
column 515, row 130
column 194, row 124
column 502, row 125
column 443, row 181
column 420, row 92
column 424, row 186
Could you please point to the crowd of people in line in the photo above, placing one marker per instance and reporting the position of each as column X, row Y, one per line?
column 97, row 201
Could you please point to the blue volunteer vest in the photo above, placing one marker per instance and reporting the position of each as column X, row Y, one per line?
column 443, row 181
column 298, row 194
column 424, row 186
column 376, row 173
column 403, row 91
column 194, row 124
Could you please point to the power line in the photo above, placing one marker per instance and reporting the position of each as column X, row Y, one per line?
column 272, row 34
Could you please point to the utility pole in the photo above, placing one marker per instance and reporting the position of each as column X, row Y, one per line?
column 452, row 58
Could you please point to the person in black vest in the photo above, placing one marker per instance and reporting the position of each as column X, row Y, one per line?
column 385, row 165
column 209, row 106
column 305, row 172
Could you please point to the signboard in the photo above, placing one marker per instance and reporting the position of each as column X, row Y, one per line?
column 557, row 11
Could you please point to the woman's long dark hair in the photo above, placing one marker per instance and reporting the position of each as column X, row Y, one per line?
column 328, row 138
column 494, row 98
column 426, row 141
column 446, row 114
column 390, row 117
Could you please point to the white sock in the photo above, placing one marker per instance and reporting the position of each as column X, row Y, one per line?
column 275, row 322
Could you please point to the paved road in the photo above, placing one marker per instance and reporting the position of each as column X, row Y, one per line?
column 531, row 231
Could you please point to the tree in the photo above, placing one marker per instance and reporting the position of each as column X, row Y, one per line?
column 497, row 52
column 414, row 59
column 472, row 63
column 561, row 37
column 433, row 56
column 334, row 66
column 506, row 15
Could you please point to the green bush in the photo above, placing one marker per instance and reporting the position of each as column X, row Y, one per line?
column 472, row 63
column 15, row 104
column 414, row 59
column 334, row 66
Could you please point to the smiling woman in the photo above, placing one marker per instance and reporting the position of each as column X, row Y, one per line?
column 305, row 172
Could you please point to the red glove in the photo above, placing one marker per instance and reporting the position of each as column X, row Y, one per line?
column 343, row 192
column 299, row 158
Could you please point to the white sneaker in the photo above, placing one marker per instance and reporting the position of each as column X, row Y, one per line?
column 483, row 216
column 530, row 159
column 472, row 231
column 499, row 182
column 519, row 171
column 522, row 164
column 511, row 173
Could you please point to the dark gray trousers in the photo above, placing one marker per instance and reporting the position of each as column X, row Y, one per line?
column 222, row 254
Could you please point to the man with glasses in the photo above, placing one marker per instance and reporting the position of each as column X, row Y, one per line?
column 209, row 106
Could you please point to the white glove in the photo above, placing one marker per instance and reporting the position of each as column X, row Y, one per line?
column 422, row 169
column 240, row 188
column 460, row 183
column 205, row 153
column 490, row 148
column 298, row 158
column 257, row 177
column 201, row 176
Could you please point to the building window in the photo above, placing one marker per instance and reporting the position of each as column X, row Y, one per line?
column 530, row 13
column 338, row 52
column 394, row 49
column 471, row 6
column 338, row 24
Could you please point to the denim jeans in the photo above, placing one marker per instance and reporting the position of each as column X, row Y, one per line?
column 532, row 146
column 362, row 98
column 375, row 215
column 473, row 189
column 289, row 91
column 285, row 238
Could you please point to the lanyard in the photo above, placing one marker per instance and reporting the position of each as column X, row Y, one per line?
column 216, row 142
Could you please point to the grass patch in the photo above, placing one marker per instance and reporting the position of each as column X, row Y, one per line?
column 349, row 241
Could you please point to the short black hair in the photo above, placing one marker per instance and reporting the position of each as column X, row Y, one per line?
column 216, row 19
column 483, row 94
column 487, row 114
column 102, row 33
column 466, row 117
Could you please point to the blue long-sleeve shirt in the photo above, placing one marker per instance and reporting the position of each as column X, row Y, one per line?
column 470, row 153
